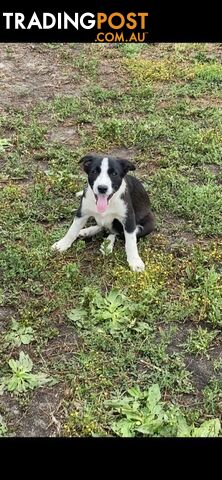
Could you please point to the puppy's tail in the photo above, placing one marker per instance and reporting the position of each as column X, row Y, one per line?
column 79, row 194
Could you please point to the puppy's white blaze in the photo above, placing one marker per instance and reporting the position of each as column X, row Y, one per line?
column 103, row 178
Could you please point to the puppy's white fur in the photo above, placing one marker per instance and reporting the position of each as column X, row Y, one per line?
column 103, row 178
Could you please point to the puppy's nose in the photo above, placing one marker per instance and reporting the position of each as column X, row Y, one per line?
column 102, row 188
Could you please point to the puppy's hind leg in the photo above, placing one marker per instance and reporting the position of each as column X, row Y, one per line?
column 90, row 231
column 146, row 226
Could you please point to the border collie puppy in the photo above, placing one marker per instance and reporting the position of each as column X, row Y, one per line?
column 118, row 202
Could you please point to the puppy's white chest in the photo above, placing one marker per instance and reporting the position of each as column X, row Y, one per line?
column 116, row 209
column 104, row 220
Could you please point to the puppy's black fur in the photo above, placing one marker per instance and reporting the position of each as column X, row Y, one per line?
column 139, row 212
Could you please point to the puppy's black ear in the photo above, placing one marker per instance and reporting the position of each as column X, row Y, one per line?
column 86, row 161
column 126, row 165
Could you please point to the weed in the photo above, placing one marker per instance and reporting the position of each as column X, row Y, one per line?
column 111, row 311
column 21, row 378
column 19, row 335
column 105, row 248
column 144, row 413
column 159, row 70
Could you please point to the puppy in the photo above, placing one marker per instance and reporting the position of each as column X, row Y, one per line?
column 118, row 202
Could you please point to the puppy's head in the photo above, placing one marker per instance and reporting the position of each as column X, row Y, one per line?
column 105, row 176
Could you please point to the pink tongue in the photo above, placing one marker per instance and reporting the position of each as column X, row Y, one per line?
column 101, row 203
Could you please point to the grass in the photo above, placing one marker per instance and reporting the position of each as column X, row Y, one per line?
column 199, row 341
column 199, row 204
column 93, row 330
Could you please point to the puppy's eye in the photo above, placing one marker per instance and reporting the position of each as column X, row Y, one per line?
column 94, row 171
column 113, row 173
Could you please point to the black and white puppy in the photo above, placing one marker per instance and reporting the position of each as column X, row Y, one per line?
column 118, row 202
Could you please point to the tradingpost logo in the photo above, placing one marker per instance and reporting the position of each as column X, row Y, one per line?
column 109, row 27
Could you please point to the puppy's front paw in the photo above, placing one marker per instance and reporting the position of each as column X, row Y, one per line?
column 61, row 246
column 137, row 265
